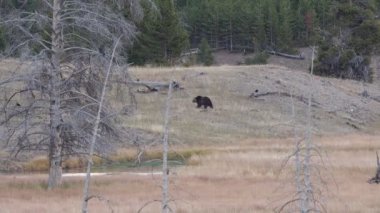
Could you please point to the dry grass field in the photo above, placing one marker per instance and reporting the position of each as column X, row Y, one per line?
column 244, row 177
column 246, row 141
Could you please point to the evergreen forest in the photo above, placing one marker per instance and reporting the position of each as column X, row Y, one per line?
column 346, row 32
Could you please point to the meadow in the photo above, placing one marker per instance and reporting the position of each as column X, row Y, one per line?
column 245, row 177
column 237, row 153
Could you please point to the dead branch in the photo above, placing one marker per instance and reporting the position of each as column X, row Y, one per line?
column 287, row 204
column 147, row 204
column 298, row 57
column 285, row 94
column 376, row 179
column 294, row 154
column 102, row 199
column 151, row 86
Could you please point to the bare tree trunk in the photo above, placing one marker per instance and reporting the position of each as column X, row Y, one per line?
column 94, row 136
column 55, row 147
column 298, row 165
column 165, row 169
column 77, row 29
column 308, row 197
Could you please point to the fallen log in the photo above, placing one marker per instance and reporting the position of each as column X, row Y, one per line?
column 151, row 86
column 154, row 86
column 190, row 52
column 256, row 94
column 297, row 57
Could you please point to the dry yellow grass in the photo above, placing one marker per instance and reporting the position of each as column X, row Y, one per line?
column 237, row 117
column 234, row 178
column 239, row 171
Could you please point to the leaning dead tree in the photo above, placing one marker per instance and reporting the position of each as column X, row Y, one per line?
column 51, row 96
column 95, row 134
column 376, row 179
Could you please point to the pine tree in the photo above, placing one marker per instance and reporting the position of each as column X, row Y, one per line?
column 205, row 54
column 162, row 37
column 2, row 40
column 259, row 35
column 358, row 35
column 284, row 39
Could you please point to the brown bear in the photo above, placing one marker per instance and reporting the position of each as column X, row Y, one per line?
column 203, row 101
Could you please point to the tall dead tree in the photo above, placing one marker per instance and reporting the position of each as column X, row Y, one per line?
column 307, row 197
column 165, row 146
column 51, row 96
column 55, row 142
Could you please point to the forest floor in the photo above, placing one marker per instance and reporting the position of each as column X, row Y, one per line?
column 248, row 137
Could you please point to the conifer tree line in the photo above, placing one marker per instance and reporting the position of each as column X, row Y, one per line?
column 347, row 32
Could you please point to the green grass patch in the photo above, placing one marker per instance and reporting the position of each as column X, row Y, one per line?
column 151, row 158
column 120, row 161
column 40, row 185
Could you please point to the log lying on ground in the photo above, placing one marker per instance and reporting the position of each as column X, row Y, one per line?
column 298, row 57
column 256, row 94
column 154, row 86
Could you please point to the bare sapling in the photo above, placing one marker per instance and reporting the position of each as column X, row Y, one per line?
column 165, row 146
column 86, row 186
column 165, row 208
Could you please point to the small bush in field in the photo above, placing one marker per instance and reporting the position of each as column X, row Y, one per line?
column 260, row 58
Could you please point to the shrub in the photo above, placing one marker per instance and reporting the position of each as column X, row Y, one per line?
column 205, row 55
column 343, row 63
column 260, row 58
column 2, row 40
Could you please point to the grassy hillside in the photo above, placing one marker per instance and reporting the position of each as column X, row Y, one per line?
column 276, row 110
column 338, row 105
column 240, row 146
